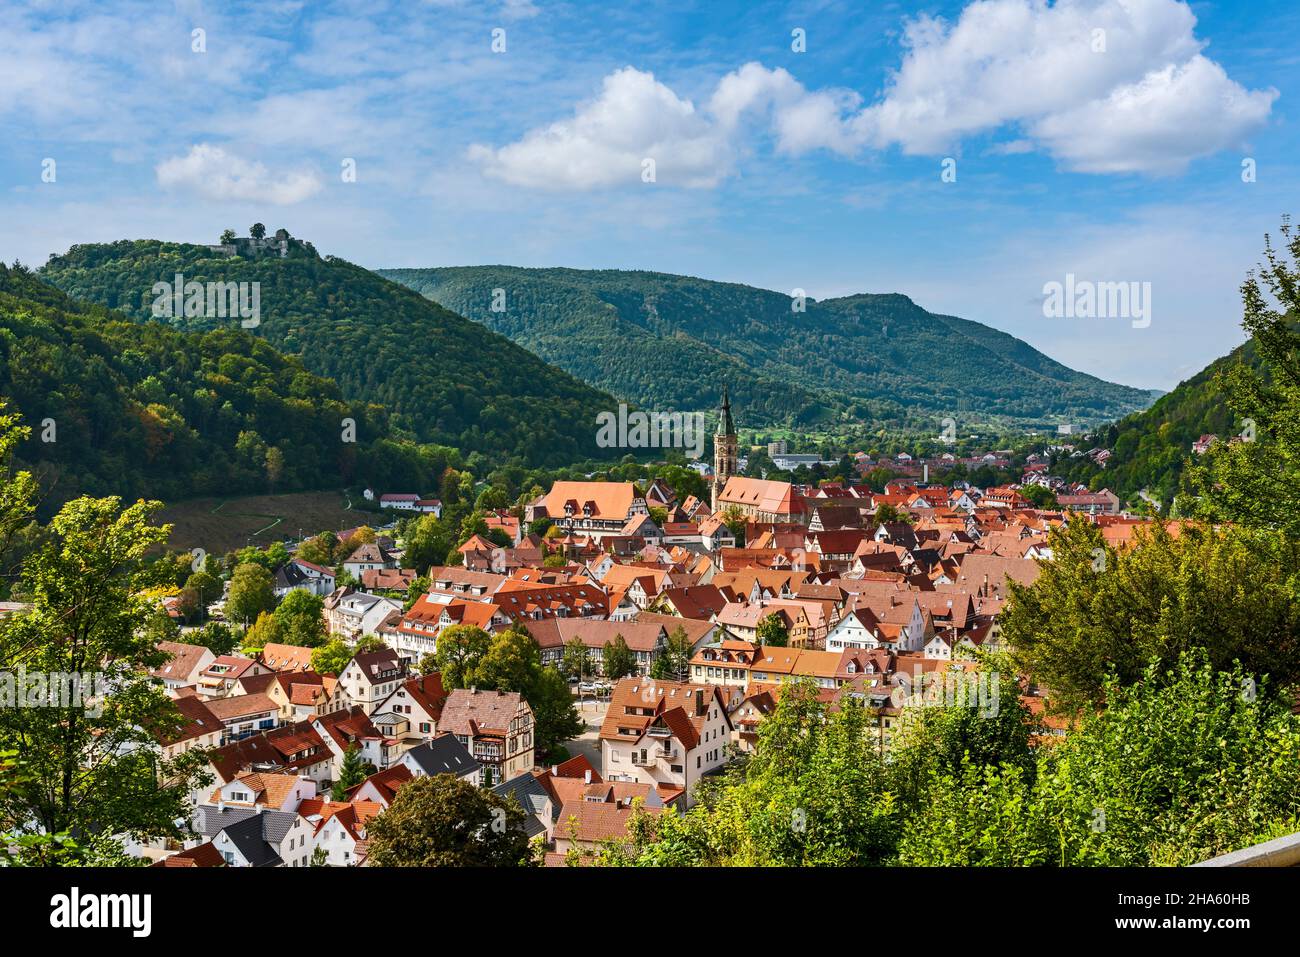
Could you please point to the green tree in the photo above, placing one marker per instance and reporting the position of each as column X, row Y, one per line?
column 736, row 522
column 673, row 661
column 888, row 514
column 257, row 231
column 320, row 549
column 266, row 630
column 772, row 631
column 301, row 617
column 252, row 591
column 217, row 637
column 619, row 660
column 333, row 656
column 351, row 773
column 1040, row 496
column 160, row 626
column 459, row 650
column 206, row 588
column 1185, row 764
column 90, row 761
column 962, row 717
column 1094, row 609
column 274, row 467
column 227, row 237
column 443, row 821
column 512, row 662
column 815, row 792
column 1256, row 482
column 576, row 662
column 557, row 719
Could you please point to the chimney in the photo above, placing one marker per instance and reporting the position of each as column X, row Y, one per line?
column 555, row 770
column 474, row 688
column 701, row 705
column 925, row 474
column 586, row 776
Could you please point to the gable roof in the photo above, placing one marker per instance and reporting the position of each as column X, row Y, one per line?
column 428, row 692
column 777, row 498
column 370, row 553
column 385, row 783
column 532, row 796
column 593, row 821
column 383, row 664
column 471, row 712
column 637, row 703
column 611, row 501
column 280, row 657
column 594, row 632
column 443, row 755
column 254, row 836
column 239, row 706
column 198, row 720
column 184, row 660
column 205, row 855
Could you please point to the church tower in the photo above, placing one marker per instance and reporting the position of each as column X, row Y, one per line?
column 724, row 449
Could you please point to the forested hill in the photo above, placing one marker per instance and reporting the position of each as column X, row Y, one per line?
column 1150, row 448
column 143, row 410
column 445, row 379
column 667, row 342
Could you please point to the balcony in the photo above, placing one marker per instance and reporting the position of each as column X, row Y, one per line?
column 652, row 756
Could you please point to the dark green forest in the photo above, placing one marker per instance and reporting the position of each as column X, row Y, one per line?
column 118, row 407
column 1150, row 448
column 442, row 378
column 667, row 342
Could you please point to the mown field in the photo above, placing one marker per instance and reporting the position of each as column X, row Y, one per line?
column 219, row 525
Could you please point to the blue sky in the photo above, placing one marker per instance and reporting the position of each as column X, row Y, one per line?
column 1115, row 156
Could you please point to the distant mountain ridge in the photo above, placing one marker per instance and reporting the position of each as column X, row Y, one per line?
column 442, row 378
column 668, row 342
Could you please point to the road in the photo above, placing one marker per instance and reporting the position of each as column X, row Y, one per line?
column 588, row 743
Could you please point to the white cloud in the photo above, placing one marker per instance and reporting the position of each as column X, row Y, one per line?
column 636, row 117
column 1157, row 124
column 1103, row 86
column 215, row 174
column 606, row 141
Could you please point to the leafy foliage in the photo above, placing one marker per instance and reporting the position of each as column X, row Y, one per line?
column 89, row 759
column 1229, row 591
column 1182, row 765
column 443, row 821
column 1254, row 482
column 142, row 409
column 443, row 379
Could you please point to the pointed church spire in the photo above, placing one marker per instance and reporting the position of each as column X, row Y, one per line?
column 725, row 426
